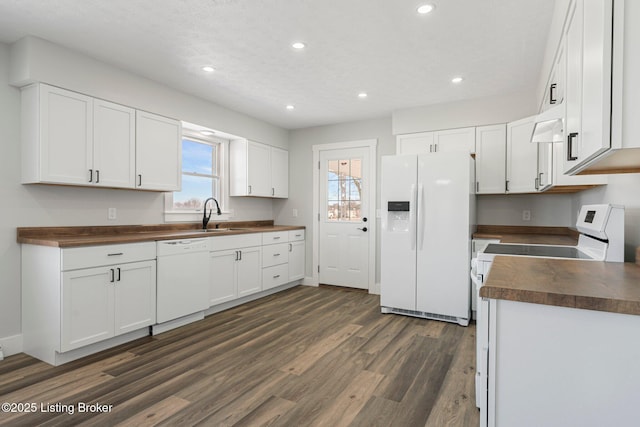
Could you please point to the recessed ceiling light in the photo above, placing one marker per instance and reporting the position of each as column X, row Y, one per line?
column 362, row 95
column 426, row 8
column 298, row 45
column 456, row 80
column 207, row 132
column 290, row 107
column 208, row 69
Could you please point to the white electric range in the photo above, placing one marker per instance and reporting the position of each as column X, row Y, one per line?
column 601, row 238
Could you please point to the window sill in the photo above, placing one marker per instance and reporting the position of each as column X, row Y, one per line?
column 181, row 216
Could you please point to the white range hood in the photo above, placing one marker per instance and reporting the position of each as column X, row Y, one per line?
column 549, row 125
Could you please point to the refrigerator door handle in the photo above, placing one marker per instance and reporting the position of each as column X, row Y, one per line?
column 421, row 210
column 412, row 216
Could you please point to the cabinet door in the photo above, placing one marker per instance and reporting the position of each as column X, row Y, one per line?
column 574, row 84
column 588, row 89
column 87, row 307
column 415, row 143
column 66, row 128
column 258, row 169
column 135, row 296
column 545, row 165
column 114, row 146
column 463, row 139
column 158, row 152
column 249, row 271
column 223, row 276
column 296, row 260
column 279, row 173
column 491, row 150
column 522, row 166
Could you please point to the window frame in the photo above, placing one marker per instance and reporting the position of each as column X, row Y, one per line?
column 190, row 215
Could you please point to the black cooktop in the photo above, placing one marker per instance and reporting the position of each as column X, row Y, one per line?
column 536, row 251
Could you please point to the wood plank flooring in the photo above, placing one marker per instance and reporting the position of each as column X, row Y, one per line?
column 304, row 357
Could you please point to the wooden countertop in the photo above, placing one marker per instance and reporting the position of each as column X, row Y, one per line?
column 590, row 285
column 66, row 237
column 528, row 235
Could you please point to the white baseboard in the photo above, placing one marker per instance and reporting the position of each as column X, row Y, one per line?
column 308, row 281
column 11, row 345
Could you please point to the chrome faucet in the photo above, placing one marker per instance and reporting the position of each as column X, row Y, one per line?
column 205, row 217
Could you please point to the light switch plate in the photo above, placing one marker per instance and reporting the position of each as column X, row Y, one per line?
column 294, row 213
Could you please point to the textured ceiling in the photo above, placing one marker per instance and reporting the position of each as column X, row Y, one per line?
column 382, row 47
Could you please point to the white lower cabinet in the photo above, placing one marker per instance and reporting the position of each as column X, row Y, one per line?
column 103, row 302
column 77, row 301
column 249, row 271
column 297, row 247
column 236, row 267
column 223, row 277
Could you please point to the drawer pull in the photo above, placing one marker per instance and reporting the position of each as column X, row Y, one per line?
column 276, row 237
column 276, row 276
column 116, row 254
column 276, row 254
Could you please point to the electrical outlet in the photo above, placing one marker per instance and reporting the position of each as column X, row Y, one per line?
column 294, row 213
column 526, row 215
column 112, row 213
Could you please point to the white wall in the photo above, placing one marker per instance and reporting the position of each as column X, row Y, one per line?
column 623, row 189
column 301, row 171
column 468, row 112
column 552, row 210
column 45, row 205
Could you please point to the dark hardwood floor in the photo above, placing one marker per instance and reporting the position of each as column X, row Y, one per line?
column 304, row 357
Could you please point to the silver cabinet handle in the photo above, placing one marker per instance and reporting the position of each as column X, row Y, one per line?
column 276, row 276
column 116, row 254
column 477, row 186
column 119, row 273
column 139, row 180
column 249, row 189
column 273, row 191
column 113, row 275
column 276, row 254
column 97, row 176
column 290, row 247
column 90, row 175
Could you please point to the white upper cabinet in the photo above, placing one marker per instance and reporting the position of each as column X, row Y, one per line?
column 554, row 93
column 462, row 139
column 491, row 147
column 522, row 166
column 114, row 145
column 588, row 89
column 74, row 139
column 258, row 170
column 57, row 136
column 158, row 152
column 279, row 173
column 415, row 143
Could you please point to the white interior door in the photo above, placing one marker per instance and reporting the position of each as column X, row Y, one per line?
column 345, row 219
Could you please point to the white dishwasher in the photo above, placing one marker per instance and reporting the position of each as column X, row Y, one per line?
column 182, row 279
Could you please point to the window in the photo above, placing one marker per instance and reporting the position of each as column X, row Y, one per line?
column 344, row 190
column 200, row 174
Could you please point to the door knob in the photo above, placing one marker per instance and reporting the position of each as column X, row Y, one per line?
column 363, row 229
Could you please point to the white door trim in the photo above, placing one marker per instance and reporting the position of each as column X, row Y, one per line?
column 371, row 144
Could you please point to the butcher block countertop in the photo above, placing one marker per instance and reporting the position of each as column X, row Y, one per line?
column 528, row 235
column 591, row 285
column 67, row 237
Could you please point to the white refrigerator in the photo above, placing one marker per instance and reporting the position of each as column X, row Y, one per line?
column 428, row 217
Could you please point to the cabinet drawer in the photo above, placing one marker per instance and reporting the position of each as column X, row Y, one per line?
column 95, row 256
column 275, row 254
column 275, row 276
column 275, row 237
column 295, row 235
column 223, row 243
